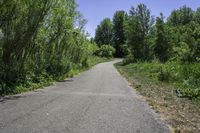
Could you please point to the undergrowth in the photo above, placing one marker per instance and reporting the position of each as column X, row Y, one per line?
column 33, row 82
column 185, row 77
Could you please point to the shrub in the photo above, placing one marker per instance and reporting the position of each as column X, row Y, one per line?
column 184, row 76
column 129, row 59
column 181, row 52
column 105, row 51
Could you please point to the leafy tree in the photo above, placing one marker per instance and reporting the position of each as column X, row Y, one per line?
column 197, row 15
column 104, row 32
column 182, row 16
column 20, row 26
column 40, row 40
column 80, row 21
column 137, row 29
column 186, row 15
column 119, row 38
column 161, row 48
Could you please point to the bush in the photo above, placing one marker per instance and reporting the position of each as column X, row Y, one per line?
column 184, row 76
column 105, row 51
column 164, row 74
column 129, row 59
column 182, row 52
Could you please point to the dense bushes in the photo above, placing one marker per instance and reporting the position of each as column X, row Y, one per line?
column 105, row 51
column 185, row 76
column 128, row 59
column 40, row 42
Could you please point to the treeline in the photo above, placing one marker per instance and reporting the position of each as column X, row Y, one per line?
column 40, row 40
column 168, row 48
column 141, row 36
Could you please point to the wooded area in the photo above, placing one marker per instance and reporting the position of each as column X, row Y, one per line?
column 41, row 40
column 45, row 41
column 172, row 43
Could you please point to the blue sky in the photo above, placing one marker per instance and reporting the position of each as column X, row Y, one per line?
column 96, row 10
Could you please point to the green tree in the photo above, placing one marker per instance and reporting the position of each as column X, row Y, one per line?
column 40, row 39
column 104, row 32
column 197, row 15
column 184, row 35
column 182, row 16
column 119, row 38
column 20, row 25
column 137, row 29
column 161, row 48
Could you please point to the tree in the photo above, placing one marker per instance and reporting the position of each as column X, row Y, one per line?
column 197, row 15
column 137, row 29
column 40, row 40
column 161, row 48
column 182, row 16
column 20, row 25
column 185, row 34
column 80, row 21
column 103, row 33
column 119, row 38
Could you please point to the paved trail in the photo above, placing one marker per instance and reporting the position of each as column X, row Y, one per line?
column 97, row 101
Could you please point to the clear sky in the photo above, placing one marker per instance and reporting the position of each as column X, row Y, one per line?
column 96, row 10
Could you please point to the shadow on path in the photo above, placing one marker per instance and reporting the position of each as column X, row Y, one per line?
column 66, row 80
column 7, row 98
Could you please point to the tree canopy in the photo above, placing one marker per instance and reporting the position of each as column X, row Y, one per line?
column 119, row 38
column 104, row 32
column 40, row 40
column 143, row 37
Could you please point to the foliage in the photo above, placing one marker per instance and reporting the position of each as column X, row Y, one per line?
column 128, row 59
column 161, row 46
column 182, row 16
column 185, row 77
column 118, row 38
column 41, row 41
column 138, row 34
column 105, row 51
column 103, row 33
column 175, row 43
column 137, row 29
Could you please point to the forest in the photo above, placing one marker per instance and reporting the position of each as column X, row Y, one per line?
column 41, row 41
column 45, row 43
column 166, row 48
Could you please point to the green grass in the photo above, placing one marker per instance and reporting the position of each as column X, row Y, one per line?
column 184, row 77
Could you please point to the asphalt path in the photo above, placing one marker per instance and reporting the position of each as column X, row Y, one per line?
column 97, row 101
